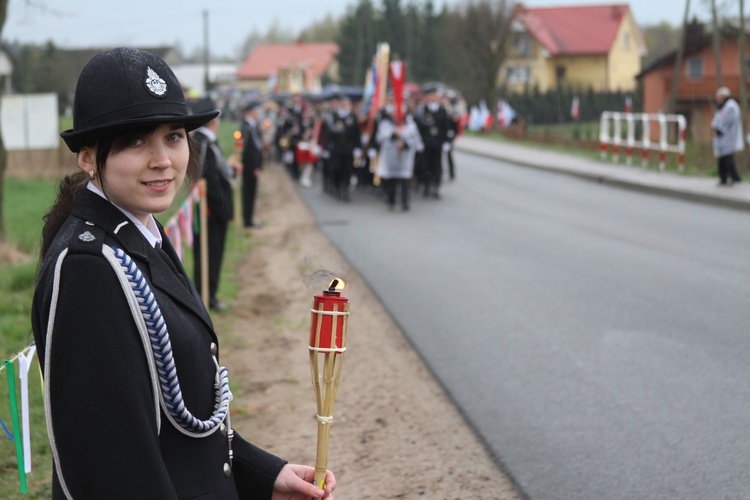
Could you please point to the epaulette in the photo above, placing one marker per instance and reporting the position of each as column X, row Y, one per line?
column 86, row 237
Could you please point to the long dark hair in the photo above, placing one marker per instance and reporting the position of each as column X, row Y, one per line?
column 71, row 184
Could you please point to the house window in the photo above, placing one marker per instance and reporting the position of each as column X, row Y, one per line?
column 522, row 44
column 518, row 74
column 626, row 41
column 694, row 68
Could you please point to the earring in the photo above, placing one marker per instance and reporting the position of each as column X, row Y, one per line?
column 91, row 174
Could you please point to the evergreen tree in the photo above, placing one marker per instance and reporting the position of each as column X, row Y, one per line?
column 413, row 41
column 356, row 43
column 392, row 26
column 430, row 53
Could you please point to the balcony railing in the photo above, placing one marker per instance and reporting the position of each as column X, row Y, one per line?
column 703, row 89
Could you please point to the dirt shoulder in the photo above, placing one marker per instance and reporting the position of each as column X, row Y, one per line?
column 395, row 433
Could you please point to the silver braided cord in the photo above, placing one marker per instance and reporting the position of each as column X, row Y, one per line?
column 171, row 393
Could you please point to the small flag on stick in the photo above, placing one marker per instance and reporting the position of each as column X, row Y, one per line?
column 575, row 108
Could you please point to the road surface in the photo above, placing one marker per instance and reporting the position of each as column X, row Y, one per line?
column 597, row 339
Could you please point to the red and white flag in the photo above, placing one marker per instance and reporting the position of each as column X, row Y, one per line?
column 575, row 108
column 505, row 113
column 398, row 77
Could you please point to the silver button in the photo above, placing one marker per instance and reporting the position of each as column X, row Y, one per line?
column 214, row 349
column 227, row 470
column 223, row 430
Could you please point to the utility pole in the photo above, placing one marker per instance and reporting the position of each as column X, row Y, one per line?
column 678, row 60
column 716, row 39
column 359, row 51
column 206, row 79
column 743, row 80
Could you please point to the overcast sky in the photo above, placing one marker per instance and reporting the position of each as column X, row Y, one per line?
column 106, row 23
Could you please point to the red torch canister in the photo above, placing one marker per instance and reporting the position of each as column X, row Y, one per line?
column 330, row 312
column 329, row 318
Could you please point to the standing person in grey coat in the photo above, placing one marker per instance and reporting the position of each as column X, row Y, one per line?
column 398, row 146
column 728, row 136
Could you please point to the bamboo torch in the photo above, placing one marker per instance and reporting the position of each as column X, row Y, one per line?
column 328, row 322
column 239, row 145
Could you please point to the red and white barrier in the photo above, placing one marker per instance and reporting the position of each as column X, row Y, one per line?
column 612, row 121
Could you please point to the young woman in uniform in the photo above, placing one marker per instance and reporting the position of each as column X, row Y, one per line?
column 137, row 403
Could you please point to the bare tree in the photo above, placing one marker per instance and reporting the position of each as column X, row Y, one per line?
column 275, row 34
column 678, row 60
column 661, row 39
column 716, row 35
column 477, row 34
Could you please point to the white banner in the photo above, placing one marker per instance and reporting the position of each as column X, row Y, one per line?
column 29, row 121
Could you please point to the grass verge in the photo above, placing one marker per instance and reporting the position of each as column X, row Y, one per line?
column 25, row 202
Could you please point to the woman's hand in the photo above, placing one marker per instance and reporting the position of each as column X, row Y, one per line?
column 294, row 482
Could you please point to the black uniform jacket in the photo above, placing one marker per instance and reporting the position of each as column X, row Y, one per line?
column 101, row 400
column 252, row 149
column 218, row 179
column 433, row 126
column 341, row 134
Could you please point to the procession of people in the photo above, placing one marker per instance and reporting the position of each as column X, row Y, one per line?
column 331, row 142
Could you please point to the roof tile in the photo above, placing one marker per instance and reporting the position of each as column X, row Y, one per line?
column 267, row 59
column 578, row 30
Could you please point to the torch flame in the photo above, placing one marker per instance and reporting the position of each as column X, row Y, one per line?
column 237, row 134
column 336, row 285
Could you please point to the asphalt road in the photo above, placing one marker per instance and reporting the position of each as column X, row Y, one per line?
column 596, row 338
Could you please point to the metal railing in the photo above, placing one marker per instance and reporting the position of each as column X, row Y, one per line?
column 637, row 134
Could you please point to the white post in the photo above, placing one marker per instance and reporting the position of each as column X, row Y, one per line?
column 646, row 140
column 616, row 141
column 603, row 134
column 682, row 126
column 662, row 141
column 630, row 139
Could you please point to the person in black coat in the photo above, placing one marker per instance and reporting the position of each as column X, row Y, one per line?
column 219, row 175
column 342, row 141
column 451, row 134
column 252, row 162
column 433, row 123
column 137, row 404
column 291, row 133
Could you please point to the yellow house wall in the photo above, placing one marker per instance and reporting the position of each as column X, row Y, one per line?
column 537, row 61
column 625, row 62
column 582, row 71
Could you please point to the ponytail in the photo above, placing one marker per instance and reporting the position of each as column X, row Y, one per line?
column 67, row 192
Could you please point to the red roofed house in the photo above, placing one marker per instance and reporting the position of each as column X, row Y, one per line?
column 292, row 67
column 597, row 46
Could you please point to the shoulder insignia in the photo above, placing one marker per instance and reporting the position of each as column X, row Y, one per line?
column 86, row 237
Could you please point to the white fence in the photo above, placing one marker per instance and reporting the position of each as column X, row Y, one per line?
column 639, row 137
